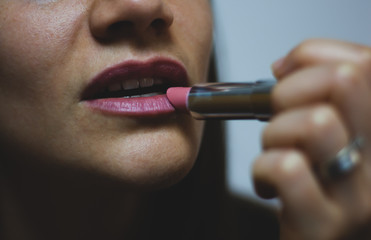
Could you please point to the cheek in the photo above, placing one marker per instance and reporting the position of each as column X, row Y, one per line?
column 33, row 43
column 197, row 24
column 194, row 29
column 33, row 37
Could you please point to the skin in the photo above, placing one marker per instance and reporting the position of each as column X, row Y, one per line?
column 321, row 102
column 61, row 162
column 57, row 151
column 54, row 48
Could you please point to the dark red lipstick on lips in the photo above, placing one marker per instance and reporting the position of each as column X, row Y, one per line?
column 135, row 88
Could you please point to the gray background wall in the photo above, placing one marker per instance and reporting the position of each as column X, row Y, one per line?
column 251, row 34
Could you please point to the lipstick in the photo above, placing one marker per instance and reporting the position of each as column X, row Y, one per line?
column 251, row 100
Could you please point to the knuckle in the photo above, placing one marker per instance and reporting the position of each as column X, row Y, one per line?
column 348, row 74
column 321, row 118
column 291, row 165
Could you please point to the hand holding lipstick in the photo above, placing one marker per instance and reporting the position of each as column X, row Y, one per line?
column 322, row 102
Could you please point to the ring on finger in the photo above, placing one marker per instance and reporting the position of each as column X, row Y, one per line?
column 345, row 161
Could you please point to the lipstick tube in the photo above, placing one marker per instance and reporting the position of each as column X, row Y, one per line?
column 251, row 100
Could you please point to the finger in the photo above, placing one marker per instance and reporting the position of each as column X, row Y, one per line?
column 317, row 51
column 352, row 95
column 304, row 204
column 316, row 130
column 352, row 194
column 281, row 170
column 344, row 86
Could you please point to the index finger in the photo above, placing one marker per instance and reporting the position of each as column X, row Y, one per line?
column 318, row 51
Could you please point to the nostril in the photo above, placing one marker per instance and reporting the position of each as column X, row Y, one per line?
column 116, row 19
column 129, row 26
column 120, row 26
column 126, row 28
column 159, row 24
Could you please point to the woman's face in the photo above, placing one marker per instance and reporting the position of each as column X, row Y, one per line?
column 62, row 63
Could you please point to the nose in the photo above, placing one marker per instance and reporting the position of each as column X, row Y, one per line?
column 110, row 18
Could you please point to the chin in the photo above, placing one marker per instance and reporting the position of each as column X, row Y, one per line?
column 162, row 174
column 142, row 157
column 149, row 161
column 147, row 172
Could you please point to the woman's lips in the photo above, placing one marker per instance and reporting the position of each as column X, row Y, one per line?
column 138, row 106
column 135, row 88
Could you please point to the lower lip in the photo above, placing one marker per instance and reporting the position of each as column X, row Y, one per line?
column 133, row 107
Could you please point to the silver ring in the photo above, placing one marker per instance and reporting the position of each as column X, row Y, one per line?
column 345, row 161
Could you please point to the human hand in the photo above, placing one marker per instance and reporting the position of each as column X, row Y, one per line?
column 322, row 102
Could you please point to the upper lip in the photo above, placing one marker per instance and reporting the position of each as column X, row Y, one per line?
column 171, row 72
